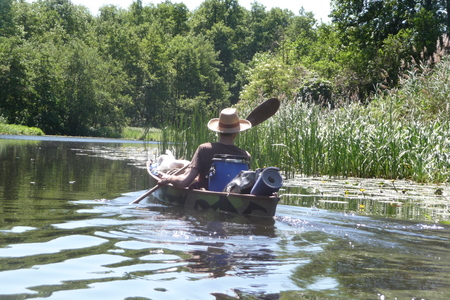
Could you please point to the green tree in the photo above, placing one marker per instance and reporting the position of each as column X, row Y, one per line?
column 47, row 98
column 211, row 12
column 6, row 18
column 302, row 34
column 93, row 91
column 222, row 38
column 223, row 22
column 365, row 27
column 322, row 51
column 196, row 80
column 275, row 25
column 256, row 32
column 265, row 30
column 14, row 81
column 28, row 17
column 173, row 17
column 269, row 76
column 153, row 91
column 74, row 19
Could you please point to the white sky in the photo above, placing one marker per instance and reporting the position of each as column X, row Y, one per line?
column 320, row 8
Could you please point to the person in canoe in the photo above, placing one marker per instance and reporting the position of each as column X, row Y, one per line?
column 228, row 126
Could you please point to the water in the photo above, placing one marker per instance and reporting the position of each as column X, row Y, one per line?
column 67, row 231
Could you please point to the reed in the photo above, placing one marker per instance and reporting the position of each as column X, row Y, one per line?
column 351, row 141
column 402, row 134
column 183, row 135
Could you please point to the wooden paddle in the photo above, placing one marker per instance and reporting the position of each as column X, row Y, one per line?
column 150, row 191
column 263, row 111
column 156, row 187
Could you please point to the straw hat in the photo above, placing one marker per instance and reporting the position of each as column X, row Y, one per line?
column 229, row 122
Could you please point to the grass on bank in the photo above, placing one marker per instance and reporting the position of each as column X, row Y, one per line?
column 129, row 133
column 19, row 130
column 137, row 133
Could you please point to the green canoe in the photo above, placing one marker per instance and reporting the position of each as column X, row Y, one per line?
column 245, row 204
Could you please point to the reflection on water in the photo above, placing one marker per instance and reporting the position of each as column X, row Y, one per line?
column 68, row 232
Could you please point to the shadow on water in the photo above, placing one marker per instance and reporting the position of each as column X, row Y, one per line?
column 68, row 232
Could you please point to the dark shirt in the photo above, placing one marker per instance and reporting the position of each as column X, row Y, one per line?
column 204, row 154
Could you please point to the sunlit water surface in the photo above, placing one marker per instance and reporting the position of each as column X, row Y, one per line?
column 67, row 231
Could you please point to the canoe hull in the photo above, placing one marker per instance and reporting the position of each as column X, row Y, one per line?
column 244, row 204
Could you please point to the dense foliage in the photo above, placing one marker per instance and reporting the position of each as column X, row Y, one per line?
column 66, row 71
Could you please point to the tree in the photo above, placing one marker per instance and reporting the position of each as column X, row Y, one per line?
column 73, row 19
column 46, row 109
column 269, row 76
column 6, row 18
column 211, row 12
column 302, row 33
column 221, row 38
column 153, row 80
column 94, row 91
column 173, row 17
column 223, row 22
column 14, row 80
column 196, row 80
column 365, row 26
column 322, row 51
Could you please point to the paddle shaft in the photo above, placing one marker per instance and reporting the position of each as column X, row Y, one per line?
column 156, row 187
column 150, row 191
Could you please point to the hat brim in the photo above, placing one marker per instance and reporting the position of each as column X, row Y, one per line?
column 213, row 125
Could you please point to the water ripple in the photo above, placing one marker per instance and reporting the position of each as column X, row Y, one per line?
column 70, row 242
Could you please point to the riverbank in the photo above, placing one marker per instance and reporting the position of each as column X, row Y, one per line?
column 128, row 133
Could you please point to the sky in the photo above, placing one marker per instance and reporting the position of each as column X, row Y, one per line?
column 320, row 8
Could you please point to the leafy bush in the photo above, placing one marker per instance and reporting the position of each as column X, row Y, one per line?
column 424, row 89
column 269, row 76
column 318, row 91
column 19, row 130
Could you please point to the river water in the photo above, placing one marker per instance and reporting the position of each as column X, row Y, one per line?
column 67, row 231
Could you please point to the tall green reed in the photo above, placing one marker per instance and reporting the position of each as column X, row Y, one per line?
column 182, row 135
column 351, row 141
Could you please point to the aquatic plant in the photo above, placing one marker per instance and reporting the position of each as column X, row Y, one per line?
column 350, row 141
column 398, row 135
column 182, row 135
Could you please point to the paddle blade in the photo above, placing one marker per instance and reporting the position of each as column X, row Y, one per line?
column 264, row 111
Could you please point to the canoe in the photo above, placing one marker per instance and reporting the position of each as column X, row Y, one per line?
column 245, row 204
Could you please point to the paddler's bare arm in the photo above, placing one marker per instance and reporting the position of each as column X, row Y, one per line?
column 183, row 180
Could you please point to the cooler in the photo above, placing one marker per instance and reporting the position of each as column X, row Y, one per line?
column 224, row 168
